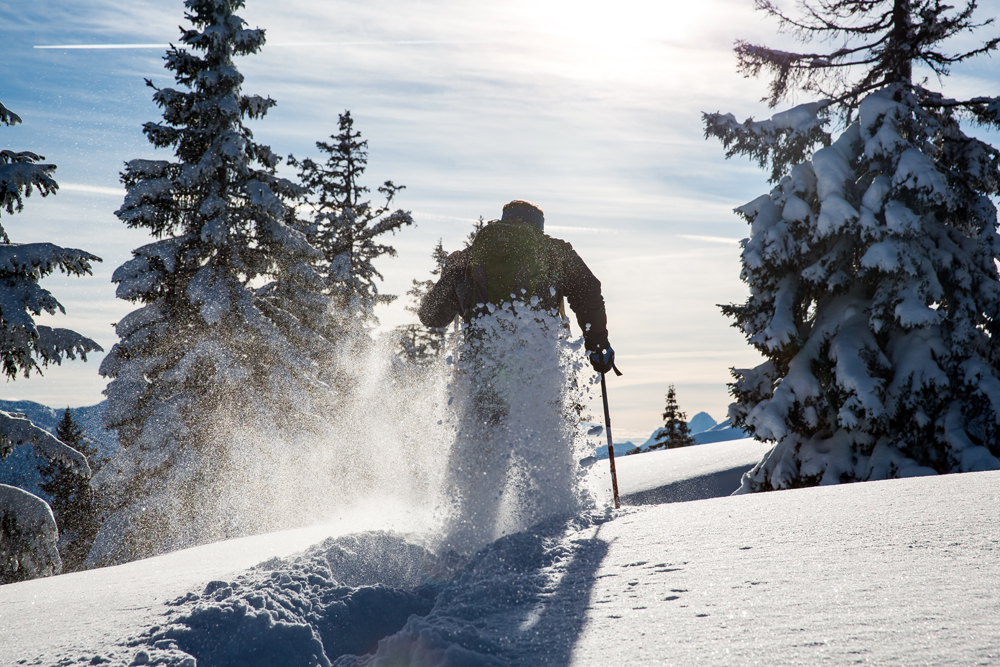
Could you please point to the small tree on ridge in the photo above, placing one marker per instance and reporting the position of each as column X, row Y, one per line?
column 675, row 432
column 73, row 503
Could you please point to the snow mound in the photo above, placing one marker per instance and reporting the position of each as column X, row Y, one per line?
column 377, row 598
column 686, row 473
column 374, row 558
column 298, row 611
column 28, row 537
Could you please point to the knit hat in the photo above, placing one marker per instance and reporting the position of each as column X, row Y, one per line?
column 523, row 211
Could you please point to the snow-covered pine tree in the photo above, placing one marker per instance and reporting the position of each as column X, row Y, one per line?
column 419, row 344
column 210, row 351
column 25, row 345
column 874, row 292
column 27, row 530
column 73, row 502
column 675, row 432
column 476, row 227
column 346, row 227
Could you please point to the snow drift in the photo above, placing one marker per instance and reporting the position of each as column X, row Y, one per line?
column 896, row 572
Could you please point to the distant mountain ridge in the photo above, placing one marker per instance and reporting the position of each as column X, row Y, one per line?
column 704, row 429
column 20, row 469
column 701, row 422
column 720, row 433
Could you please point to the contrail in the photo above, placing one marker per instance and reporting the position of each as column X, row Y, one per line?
column 102, row 46
column 292, row 44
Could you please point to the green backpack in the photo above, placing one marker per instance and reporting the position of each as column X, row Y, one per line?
column 506, row 258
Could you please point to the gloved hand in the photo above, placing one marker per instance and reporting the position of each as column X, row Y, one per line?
column 601, row 356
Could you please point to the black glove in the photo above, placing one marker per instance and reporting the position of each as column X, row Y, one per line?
column 601, row 356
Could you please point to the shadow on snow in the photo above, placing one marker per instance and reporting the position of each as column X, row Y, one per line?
column 376, row 599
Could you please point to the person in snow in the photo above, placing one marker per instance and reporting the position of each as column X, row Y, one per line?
column 509, row 286
column 513, row 257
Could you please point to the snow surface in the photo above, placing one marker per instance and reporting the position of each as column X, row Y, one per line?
column 94, row 610
column 893, row 572
column 683, row 474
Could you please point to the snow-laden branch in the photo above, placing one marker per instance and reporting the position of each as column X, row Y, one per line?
column 8, row 117
column 16, row 429
column 785, row 138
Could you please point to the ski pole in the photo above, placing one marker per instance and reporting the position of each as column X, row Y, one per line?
column 611, row 444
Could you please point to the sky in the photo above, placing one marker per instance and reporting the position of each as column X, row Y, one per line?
column 591, row 112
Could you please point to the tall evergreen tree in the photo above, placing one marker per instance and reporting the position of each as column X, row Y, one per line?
column 345, row 226
column 476, row 227
column 421, row 287
column 73, row 502
column 27, row 533
column 208, row 350
column 420, row 344
column 875, row 296
column 675, row 432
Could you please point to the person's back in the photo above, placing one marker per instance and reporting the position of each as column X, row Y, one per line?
column 512, row 261
column 514, row 445
column 514, row 254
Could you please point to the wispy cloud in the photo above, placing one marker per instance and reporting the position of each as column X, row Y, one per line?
column 710, row 239
column 693, row 354
column 386, row 42
column 590, row 230
column 92, row 189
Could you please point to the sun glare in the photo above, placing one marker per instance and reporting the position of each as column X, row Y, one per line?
column 626, row 38
column 620, row 23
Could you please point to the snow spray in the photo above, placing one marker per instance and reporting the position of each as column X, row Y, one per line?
column 516, row 412
column 461, row 451
column 371, row 445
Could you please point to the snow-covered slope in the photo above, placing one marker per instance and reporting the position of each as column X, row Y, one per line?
column 903, row 572
column 896, row 572
column 719, row 433
column 91, row 612
column 88, row 417
column 684, row 474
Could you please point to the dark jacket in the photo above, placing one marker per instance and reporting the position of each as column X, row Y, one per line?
column 454, row 293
